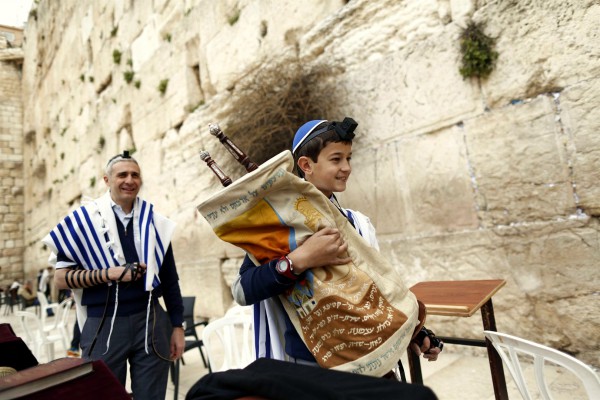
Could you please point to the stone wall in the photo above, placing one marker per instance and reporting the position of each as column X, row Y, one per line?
column 464, row 179
column 11, row 165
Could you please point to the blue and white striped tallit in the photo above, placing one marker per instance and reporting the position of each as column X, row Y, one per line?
column 89, row 237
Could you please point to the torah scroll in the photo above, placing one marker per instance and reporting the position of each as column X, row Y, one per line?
column 357, row 317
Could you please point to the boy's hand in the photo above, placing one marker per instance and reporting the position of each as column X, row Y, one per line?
column 428, row 352
column 324, row 247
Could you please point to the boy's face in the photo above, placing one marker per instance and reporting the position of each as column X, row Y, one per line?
column 332, row 169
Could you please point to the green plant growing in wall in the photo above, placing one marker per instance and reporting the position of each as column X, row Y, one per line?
column 114, row 31
column 128, row 76
column 117, row 56
column 92, row 181
column 167, row 36
column 82, row 77
column 233, row 18
column 137, row 84
column 101, row 143
column 191, row 108
column 478, row 54
column 162, row 86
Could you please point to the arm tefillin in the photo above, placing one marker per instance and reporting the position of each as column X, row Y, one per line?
column 79, row 279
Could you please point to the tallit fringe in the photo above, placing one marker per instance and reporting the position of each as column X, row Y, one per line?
column 112, row 321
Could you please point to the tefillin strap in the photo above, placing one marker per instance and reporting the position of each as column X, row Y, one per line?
column 124, row 156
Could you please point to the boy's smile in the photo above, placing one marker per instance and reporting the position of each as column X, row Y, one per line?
column 332, row 169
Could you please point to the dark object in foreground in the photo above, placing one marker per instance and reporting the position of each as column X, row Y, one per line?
column 273, row 380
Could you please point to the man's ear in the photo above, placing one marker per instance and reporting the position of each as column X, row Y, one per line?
column 106, row 180
column 304, row 164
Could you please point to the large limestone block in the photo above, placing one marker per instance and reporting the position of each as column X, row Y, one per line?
column 365, row 30
column 153, row 113
column 147, row 44
column 543, row 46
column 546, row 266
column 233, row 46
column 203, row 277
column 518, row 158
column 396, row 95
column 417, row 186
column 581, row 121
column 362, row 192
column 437, row 178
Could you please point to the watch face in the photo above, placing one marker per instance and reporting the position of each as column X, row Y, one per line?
column 282, row 265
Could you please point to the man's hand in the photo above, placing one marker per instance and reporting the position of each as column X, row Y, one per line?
column 115, row 273
column 324, row 247
column 177, row 343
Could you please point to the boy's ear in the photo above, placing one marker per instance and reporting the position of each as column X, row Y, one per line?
column 304, row 164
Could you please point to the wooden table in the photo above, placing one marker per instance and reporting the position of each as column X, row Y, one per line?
column 462, row 299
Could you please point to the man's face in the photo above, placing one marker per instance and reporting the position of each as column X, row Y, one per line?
column 332, row 169
column 124, row 182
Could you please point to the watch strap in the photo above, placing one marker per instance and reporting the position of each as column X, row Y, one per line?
column 288, row 272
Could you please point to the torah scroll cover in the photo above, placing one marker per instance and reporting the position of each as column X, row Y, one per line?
column 357, row 317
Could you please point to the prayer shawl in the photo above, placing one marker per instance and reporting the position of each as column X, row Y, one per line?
column 88, row 236
column 357, row 317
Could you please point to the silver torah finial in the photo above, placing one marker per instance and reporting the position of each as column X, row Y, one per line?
column 225, row 180
column 235, row 151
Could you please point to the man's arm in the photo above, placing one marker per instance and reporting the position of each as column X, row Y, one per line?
column 172, row 296
column 77, row 278
column 169, row 282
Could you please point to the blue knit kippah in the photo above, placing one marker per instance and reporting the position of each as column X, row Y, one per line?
column 303, row 132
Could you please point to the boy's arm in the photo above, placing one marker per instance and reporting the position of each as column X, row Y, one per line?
column 325, row 247
column 254, row 284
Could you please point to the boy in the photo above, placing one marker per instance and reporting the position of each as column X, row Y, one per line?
column 322, row 152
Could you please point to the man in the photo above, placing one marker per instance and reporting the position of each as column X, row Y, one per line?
column 115, row 254
column 44, row 287
column 44, row 282
column 27, row 293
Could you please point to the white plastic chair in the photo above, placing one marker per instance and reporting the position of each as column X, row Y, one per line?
column 37, row 339
column 239, row 310
column 229, row 342
column 514, row 351
column 62, row 321
column 45, row 305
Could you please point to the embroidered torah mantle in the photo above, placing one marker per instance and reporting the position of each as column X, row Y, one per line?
column 357, row 317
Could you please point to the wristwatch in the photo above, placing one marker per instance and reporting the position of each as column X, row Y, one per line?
column 285, row 267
